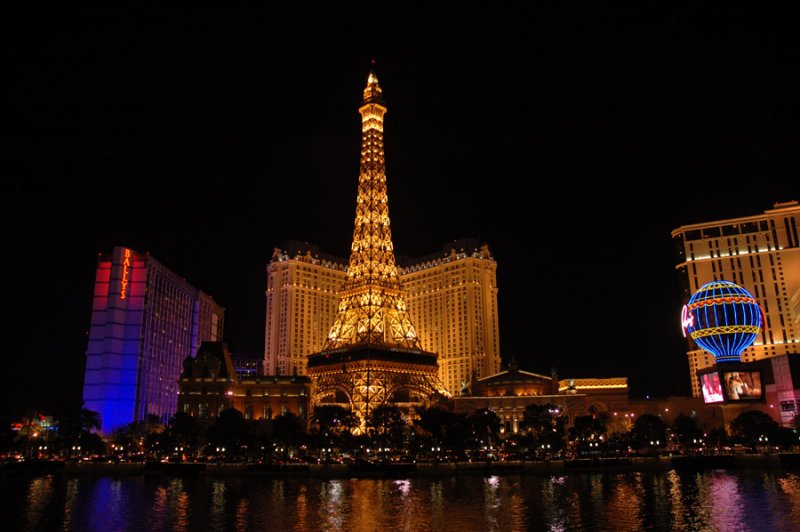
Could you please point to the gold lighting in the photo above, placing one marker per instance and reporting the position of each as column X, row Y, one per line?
column 372, row 351
column 372, row 310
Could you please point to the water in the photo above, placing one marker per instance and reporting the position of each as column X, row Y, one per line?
column 668, row 500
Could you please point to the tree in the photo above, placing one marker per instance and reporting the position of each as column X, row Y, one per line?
column 185, row 430
column 444, row 427
column 686, row 430
column 649, row 428
column 77, row 422
column 717, row 437
column 386, row 424
column 92, row 443
column 331, row 421
column 545, row 425
column 485, row 425
column 156, row 438
column 230, row 431
column 435, row 422
column 89, row 420
column 749, row 426
column 287, row 429
column 587, row 427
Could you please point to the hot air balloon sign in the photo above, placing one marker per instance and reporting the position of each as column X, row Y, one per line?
column 723, row 318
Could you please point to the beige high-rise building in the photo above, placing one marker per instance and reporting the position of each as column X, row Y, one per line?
column 451, row 297
column 760, row 253
column 303, row 288
column 452, row 300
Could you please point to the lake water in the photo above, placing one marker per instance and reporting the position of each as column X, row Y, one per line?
column 761, row 500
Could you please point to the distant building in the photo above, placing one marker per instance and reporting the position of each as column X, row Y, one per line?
column 706, row 417
column 145, row 321
column 248, row 364
column 209, row 384
column 509, row 392
column 451, row 297
column 760, row 253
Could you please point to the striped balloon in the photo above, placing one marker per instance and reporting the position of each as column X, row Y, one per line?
column 723, row 318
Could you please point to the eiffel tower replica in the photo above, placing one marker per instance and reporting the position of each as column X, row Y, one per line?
column 372, row 355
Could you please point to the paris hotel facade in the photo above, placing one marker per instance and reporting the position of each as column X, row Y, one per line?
column 760, row 253
column 451, row 297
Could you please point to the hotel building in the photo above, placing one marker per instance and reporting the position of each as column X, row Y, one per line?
column 760, row 253
column 145, row 321
column 451, row 297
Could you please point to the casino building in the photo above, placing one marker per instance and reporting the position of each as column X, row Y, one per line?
column 145, row 321
column 760, row 253
column 451, row 297
column 379, row 329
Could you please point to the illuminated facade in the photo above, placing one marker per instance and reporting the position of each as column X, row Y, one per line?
column 451, row 297
column 145, row 321
column 372, row 353
column 761, row 253
column 210, row 383
column 303, row 287
column 508, row 392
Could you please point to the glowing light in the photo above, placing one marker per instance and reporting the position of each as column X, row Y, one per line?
column 126, row 271
column 372, row 310
column 723, row 318
column 687, row 320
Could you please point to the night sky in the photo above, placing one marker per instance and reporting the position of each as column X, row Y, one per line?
column 571, row 138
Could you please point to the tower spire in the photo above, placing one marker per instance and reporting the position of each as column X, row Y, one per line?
column 372, row 310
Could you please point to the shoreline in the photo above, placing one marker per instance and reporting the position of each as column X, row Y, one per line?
column 407, row 470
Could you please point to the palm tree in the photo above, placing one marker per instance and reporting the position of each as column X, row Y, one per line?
column 485, row 425
column 89, row 420
column 386, row 423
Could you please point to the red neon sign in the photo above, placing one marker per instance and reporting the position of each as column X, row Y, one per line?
column 126, row 271
column 687, row 319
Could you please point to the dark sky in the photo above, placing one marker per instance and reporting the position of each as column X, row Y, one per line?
column 571, row 138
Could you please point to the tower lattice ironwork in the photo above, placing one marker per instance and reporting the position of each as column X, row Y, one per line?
column 372, row 350
column 372, row 310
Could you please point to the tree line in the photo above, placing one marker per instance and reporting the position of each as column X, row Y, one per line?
column 436, row 433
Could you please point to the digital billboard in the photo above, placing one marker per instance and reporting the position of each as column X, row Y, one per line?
column 712, row 388
column 742, row 385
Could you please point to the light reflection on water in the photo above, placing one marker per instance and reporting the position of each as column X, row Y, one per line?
column 709, row 500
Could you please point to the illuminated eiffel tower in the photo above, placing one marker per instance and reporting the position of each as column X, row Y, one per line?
column 372, row 351
column 372, row 310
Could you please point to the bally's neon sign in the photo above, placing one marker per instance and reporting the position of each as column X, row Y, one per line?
column 687, row 319
column 126, row 272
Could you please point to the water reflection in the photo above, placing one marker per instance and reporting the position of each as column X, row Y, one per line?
column 38, row 496
column 217, row 517
column 671, row 500
column 301, row 508
column 70, row 499
column 180, row 505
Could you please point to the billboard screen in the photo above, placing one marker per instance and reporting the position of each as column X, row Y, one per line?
column 712, row 388
column 742, row 385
